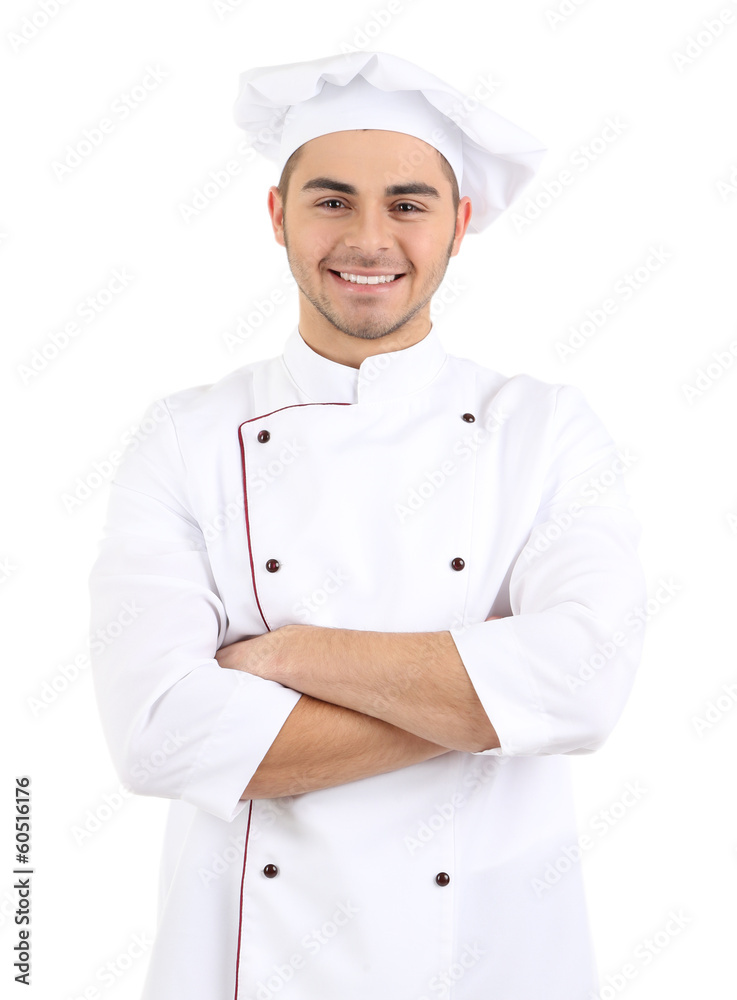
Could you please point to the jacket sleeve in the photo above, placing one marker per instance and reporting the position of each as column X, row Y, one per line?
column 177, row 724
column 555, row 675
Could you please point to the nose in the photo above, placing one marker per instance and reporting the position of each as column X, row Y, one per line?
column 369, row 231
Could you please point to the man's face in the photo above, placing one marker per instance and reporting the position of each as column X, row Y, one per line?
column 369, row 202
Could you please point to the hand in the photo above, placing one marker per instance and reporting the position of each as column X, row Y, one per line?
column 260, row 655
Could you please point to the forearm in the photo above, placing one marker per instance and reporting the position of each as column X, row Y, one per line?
column 414, row 680
column 322, row 745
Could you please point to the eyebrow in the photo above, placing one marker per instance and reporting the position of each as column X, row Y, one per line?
column 329, row 184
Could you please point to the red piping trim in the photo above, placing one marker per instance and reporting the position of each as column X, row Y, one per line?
column 248, row 529
column 255, row 591
column 245, row 489
column 240, row 911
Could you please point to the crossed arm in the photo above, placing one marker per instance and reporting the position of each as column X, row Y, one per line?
column 372, row 702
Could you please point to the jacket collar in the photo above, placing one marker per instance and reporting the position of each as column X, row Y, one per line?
column 383, row 376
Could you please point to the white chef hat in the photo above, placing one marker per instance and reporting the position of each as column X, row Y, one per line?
column 282, row 107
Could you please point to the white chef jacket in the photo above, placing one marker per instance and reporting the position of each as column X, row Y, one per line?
column 420, row 492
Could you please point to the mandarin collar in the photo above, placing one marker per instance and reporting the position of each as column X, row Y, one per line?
column 383, row 376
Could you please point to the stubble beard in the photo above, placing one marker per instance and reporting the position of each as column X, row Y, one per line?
column 369, row 328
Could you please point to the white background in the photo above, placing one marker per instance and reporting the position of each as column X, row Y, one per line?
column 663, row 183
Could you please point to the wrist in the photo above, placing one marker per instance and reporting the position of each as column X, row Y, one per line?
column 283, row 655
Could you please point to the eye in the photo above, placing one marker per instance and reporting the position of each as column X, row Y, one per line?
column 328, row 201
column 408, row 204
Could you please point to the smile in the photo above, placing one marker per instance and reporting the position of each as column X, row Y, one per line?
column 367, row 279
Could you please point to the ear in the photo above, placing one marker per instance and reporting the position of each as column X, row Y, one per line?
column 276, row 212
column 462, row 220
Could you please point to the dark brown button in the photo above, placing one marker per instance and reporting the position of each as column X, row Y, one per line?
column 272, row 565
column 469, row 418
column 457, row 563
column 263, row 437
column 271, row 871
column 442, row 878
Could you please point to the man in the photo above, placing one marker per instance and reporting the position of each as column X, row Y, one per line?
column 382, row 595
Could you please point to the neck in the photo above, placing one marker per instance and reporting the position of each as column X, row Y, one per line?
column 345, row 349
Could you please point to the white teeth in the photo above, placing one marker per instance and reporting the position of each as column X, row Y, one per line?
column 366, row 279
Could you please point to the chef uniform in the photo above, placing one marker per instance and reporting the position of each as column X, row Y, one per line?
column 419, row 492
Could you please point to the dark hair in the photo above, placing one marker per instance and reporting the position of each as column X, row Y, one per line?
column 293, row 160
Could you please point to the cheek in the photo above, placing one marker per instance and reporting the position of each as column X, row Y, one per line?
column 321, row 242
column 427, row 250
column 310, row 240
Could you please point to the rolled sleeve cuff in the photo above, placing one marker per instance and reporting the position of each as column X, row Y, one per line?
column 245, row 729
column 508, row 694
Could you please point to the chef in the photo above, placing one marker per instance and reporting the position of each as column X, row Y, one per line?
column 381, row 593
